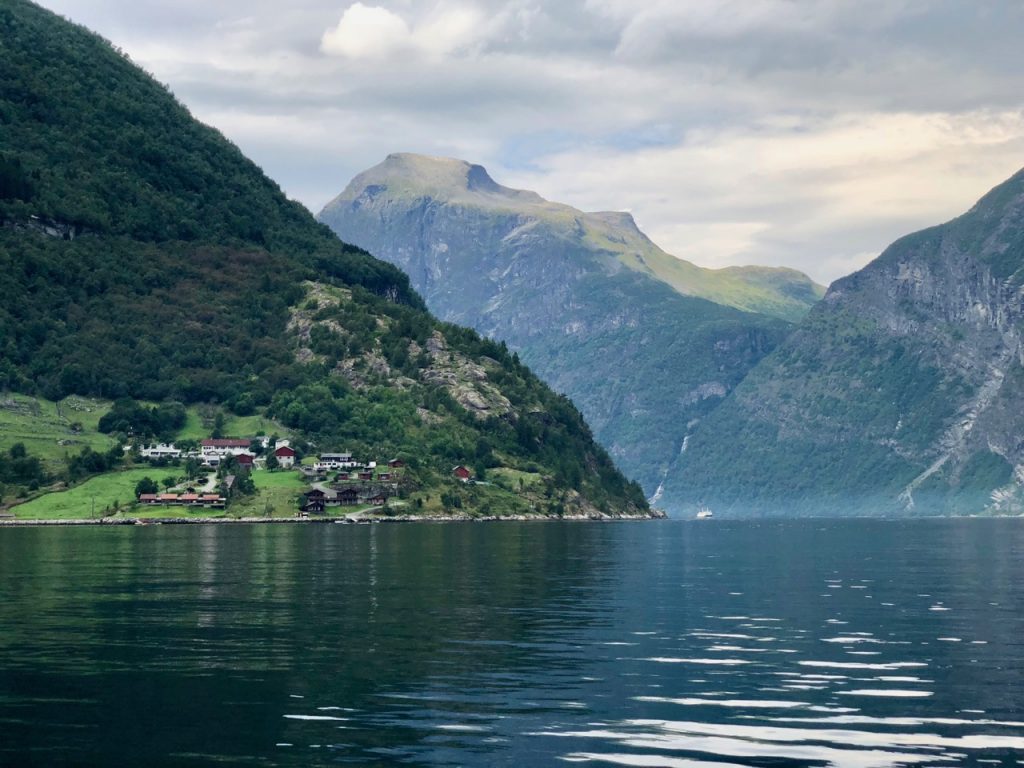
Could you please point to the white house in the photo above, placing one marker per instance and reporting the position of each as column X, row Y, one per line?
column 223, row 447
column 336, row 461
column 160, row 451
column 285, row 457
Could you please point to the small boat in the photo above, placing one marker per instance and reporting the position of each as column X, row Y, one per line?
column 704, row 513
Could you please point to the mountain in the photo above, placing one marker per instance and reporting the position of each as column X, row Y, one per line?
column 408, row 180
column 587, row 300
column 142, row 256
column 901, row 393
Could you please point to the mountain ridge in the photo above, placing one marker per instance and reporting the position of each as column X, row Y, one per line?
column 457, row 182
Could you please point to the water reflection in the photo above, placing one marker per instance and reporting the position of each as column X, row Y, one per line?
column 669, row 644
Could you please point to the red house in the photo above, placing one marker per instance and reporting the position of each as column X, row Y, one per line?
column 246, row 460
column 396, row 463
column 462, row 473
column 285, row 456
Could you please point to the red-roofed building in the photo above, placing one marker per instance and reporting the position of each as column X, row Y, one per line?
column 462, row 473
column 221, row 447
column 285, row 456
column 148, row 498
column 246, row 460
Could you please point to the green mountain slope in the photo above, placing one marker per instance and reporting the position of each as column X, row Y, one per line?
column 575, row 294
column 141, row 255
column 901, row 393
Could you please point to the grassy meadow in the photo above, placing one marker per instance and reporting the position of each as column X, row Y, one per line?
column 52, row 430
column 97, row 493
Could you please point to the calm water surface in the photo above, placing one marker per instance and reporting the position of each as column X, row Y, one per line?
column 864, row 644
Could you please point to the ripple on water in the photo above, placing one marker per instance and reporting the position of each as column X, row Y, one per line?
column 838, row 748
column 703, row 662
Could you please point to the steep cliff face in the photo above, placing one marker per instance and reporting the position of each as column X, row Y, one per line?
column 903, row 391
column 575, row 294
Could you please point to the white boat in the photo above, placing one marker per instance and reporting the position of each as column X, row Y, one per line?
column 704, row 513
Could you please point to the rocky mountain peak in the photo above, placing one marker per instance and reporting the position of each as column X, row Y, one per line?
column 406, row 175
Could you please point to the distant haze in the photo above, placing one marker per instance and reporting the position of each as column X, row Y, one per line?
column 772, row 132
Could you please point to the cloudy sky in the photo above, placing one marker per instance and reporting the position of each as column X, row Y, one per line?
column 806, row 133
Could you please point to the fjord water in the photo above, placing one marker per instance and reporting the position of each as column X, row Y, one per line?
column 812, row 643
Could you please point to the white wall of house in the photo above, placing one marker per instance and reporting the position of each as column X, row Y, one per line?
column 160, row 451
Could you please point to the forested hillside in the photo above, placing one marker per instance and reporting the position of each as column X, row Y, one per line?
column 142, row 256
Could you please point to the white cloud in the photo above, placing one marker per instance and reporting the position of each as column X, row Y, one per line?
column 367, row 32
column 824, row 195
column 374, row 32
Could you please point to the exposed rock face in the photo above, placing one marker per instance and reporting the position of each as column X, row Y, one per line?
column 465, row 381
column 575, row 294
column 902, row 392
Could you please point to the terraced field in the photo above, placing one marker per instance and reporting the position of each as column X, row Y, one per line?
column 52, row 430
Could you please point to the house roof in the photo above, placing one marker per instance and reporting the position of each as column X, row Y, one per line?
column 190, row 497
column 284, row 450
column 168, row 497
column 245, row 458
column 148, row 497
column 225, row 443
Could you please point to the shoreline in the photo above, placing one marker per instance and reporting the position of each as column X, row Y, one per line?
column 136, row 521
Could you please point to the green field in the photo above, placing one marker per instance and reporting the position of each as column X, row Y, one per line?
column 199, row 424
column 78, row 502
column 52, row 430
column 513, row 479
column 276, row 490
column 281, row 479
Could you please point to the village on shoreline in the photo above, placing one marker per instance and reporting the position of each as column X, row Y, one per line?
column 333, row 479
column 216, row 479
column 138, row 463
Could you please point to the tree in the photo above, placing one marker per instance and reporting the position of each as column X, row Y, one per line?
column 272, row 462
column 18, row 451
column 192, row 466
column 218, row 425
column 145, row 485
column 168, row 482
